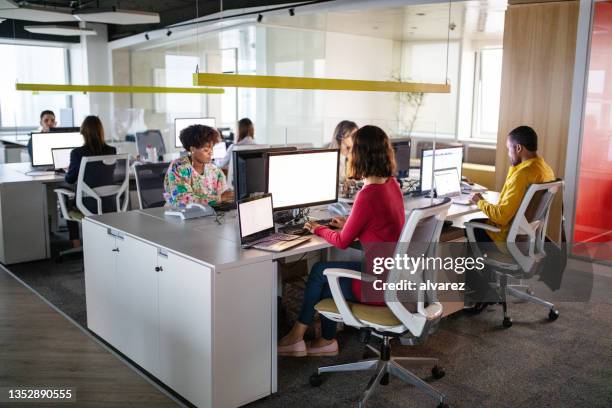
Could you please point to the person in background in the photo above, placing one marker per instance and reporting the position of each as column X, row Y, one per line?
column 47, row 121
column 526, row 168
column 194, row 178
column 342, row 141
column 377, row 217
column 246, row 136
column 94, row 145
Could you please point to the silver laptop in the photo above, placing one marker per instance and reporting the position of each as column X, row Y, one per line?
column 61, row 158
column 447, row 184
column 256, row 221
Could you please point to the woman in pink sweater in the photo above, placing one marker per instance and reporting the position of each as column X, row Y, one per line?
column 377, row 217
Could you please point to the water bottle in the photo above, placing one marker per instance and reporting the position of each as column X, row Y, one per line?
column 150, row 151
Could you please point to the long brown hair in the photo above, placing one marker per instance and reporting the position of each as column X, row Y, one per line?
column 93, row 134
column 371, row 155
column 343, row 129
column 245, row 129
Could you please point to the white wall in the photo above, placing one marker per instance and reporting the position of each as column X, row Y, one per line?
column 366, row 58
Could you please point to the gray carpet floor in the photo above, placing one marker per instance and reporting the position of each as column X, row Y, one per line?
column 536, row 363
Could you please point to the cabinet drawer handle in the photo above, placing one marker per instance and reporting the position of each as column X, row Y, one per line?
column 158, row 269
column 116, row 250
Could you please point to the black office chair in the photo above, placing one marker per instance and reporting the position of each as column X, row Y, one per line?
column 150, row 184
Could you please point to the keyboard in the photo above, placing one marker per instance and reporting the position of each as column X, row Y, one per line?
column 298, row 229
column 273, row 239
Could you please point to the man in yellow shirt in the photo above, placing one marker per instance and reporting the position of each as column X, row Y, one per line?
column 526, row 168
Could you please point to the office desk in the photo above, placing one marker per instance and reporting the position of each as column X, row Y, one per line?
column 187, row 304
column 24, row 234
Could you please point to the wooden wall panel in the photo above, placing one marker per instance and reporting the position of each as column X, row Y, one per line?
column 537, row 74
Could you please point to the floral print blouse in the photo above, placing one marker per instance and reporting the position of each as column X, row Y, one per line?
column 184, row 185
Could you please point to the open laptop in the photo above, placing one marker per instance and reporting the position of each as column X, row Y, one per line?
column 61, row 158
column 447, row 184
column 256, row 221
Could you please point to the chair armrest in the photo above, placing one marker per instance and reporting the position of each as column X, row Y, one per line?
column 470, row 226
column 65, row 192
column 62, row 195
column 348, row 273
column 333, row 277
column 481, row 225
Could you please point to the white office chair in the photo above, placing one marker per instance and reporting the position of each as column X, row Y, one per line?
column 411, row 320
column 519, row 257
column 100, row 179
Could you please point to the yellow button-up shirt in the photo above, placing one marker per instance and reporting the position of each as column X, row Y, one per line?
column 518, row 180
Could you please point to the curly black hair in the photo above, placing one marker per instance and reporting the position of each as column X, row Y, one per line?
column 198, row 136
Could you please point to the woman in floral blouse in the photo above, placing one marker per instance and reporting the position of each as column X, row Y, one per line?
column 194, row 178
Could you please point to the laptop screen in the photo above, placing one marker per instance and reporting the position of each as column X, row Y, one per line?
column 446, row 182
column 255, row 215
column 61, row 158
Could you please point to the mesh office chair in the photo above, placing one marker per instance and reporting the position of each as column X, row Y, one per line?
column 523, row 252
column 150, row 184
column 102, row 186
column 411, row 319
column 153, row 138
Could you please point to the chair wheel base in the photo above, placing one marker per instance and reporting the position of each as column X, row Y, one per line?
column 316, row 380
column 437, row 372
column 507, row 322
column 553, row 314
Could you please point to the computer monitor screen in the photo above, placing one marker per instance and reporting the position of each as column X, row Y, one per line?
column 61, row 158
column 303, row 178
column 255, row 215
column 445, row 158
column 42, row 143
column 447, row 183
column 182, row 123
column 249, row 170
column 70, row 129
column 401, row 147
column 219, row 150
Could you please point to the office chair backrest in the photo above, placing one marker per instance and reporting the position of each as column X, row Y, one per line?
column 150, row 137
column 531, row 219
column 150, row 184
column 102, row 184
column 418, row 239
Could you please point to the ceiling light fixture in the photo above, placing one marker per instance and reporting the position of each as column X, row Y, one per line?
column 420, row 14
column 59, row 30
column 117, row 16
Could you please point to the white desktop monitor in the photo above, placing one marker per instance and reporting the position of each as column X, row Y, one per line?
column 445, row 158
column 447, row 183
column 43, row 143
column 302, row 178
column 182, row 123
column 219, row 150
column 61, row 157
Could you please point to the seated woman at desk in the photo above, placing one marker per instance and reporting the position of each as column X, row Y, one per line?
column 246, row 136
column 377, row 216
column 94, row 145
column 194, row 178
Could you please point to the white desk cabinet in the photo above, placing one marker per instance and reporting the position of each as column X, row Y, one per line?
column 206, row 333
